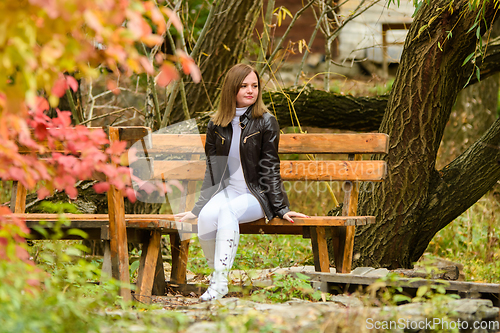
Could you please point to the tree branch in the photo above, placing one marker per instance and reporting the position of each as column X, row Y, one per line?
column 465, row 180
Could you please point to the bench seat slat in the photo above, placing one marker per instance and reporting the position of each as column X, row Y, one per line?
column 290, row 170
column 365, row 143
column 151, row 221
column 84, row 221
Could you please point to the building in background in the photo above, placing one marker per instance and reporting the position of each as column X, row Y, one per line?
column 374, row 38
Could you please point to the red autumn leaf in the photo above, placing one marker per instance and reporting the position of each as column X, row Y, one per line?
column 60, row 87
column 189, row 66
column 138, row 25
column 152, row 40
column 130, row 194
column 73, row 84
column 158, row 19
column 116, row 147
column 42, row 104
column 63, row 119
column 43, row 193
column 167, row 74
column 146, row 64
column 71, row 191
column 40, row 132
column 21, row 253
column 113, row 86
column 173, row 18
column 16, row 173
column 101, row 187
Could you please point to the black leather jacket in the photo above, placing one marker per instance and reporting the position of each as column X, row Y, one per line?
column 259, row 161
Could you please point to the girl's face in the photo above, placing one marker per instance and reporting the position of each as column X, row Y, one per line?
column 249, row 91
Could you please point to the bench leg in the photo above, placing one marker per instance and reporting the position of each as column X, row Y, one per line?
column 159, row 284
column 343, row 242
column 147, row 267
column 180, row 252
column 320, row 249
column 106, row 263
column 118, row 232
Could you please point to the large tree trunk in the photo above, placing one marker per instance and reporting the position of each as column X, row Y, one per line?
column 416, row 201
column 223, row 47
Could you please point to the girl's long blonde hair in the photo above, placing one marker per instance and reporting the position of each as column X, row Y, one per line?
column 230, row 88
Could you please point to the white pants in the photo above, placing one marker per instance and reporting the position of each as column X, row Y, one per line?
column 226, row 210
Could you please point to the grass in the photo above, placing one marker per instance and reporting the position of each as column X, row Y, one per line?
column 472, row 240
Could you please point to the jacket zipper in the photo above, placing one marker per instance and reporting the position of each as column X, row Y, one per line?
column 220, row 136
column 245, row 140
column 223, row 172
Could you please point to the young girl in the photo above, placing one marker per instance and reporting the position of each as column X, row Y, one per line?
column 242, row 179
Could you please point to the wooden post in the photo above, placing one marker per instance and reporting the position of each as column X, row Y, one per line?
column 18, row 198
column 320, row 249
column 148, row 266
column 343, row 237
column 179, row 247
column 106, row 271
column 118, row 233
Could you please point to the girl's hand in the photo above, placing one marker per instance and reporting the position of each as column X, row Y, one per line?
column 288, row 216
column 185, row 216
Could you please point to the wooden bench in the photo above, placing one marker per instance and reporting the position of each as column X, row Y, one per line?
column 179, row 157
column 116, row 228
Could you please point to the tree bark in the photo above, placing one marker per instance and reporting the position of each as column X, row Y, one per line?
column 223, row 47
column 409, row 204
column 323, row 109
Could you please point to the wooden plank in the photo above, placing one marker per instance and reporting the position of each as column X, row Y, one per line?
column 290, row 170
column 159, row 284
column 18, row 198
column 133, row 133
column 343, row 238
column 315, row 221
column 320, row 249
column 180, row 252
column 363, row 143
column 458, row 286
column 106, row 263
column 166, row 221
column 118, row 233
column 180, row 247
column 147, row 267
column 249, row 229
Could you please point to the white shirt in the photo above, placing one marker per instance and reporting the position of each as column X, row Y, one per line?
column 236, row 177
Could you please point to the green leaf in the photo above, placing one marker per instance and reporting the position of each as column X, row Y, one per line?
column 472, row 28
column 134, row 267
column 41, row 231
column 77, row 232
column 401, row 298
column 478, row 32
column 422, row 290
column 302, row 276
column 478, row 74
column 71, row 251
column 469, row 57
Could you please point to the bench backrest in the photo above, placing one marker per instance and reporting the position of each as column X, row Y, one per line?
column 187, row 146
